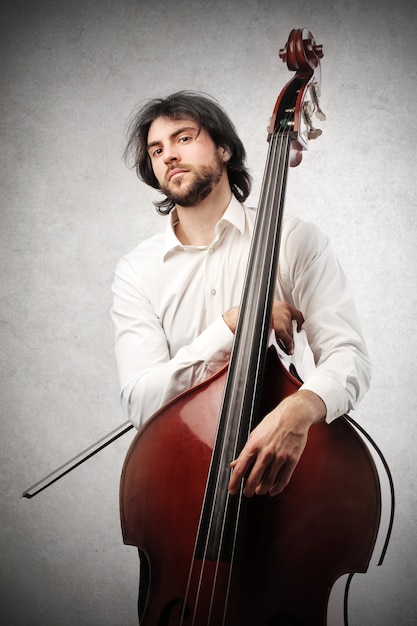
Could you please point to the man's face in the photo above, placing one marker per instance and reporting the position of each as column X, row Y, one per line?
column 185, row 160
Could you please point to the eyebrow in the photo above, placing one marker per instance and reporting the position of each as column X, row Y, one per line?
column 182, row 129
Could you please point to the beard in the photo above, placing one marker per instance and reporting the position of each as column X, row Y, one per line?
column 204, row 180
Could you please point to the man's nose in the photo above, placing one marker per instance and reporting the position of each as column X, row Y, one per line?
column 171, row 154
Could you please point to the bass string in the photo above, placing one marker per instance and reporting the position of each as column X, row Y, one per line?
column 279, row 147
column 277, row 168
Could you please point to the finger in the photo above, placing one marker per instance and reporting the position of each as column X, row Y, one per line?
column 285, row 341
column 297, row 316
column 282, row 480
column 285, row 338
column 283, row 315
column 240, row 467
column 270, row 477
column 262, row 475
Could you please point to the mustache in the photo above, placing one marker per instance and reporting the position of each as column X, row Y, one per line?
column 184, row 167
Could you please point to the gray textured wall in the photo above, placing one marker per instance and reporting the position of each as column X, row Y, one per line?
column 71, row 73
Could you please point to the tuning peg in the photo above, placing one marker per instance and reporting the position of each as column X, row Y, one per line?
column 308, row 109
column 283, row 54
column 315, row 94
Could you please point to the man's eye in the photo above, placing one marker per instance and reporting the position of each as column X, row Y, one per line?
column 185, row 138
column 156, row 152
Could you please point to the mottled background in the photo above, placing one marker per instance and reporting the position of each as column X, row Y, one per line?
column 71, row 73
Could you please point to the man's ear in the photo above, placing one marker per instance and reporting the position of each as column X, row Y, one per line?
column 225, row 153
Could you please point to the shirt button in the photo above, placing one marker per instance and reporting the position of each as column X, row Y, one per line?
column 211, row 251
column 213, row 292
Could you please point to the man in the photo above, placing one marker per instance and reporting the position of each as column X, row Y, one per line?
column 176, row 295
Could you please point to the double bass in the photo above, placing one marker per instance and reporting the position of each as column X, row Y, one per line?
column 220, row 560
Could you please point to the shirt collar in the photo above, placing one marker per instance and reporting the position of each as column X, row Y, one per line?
column 233, row 215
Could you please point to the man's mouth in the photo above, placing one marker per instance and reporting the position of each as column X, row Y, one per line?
column 175, row 173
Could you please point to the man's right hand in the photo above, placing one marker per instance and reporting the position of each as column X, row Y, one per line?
column 283, row 315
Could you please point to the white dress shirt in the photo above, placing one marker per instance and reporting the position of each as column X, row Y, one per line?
column 169, row 300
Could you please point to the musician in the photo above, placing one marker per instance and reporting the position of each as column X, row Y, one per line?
column 176, row 295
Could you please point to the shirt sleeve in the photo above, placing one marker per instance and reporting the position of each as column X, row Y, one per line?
column 319, row 289
column 149, row 376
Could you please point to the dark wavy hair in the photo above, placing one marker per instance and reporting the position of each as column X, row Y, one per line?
column 208, row 115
